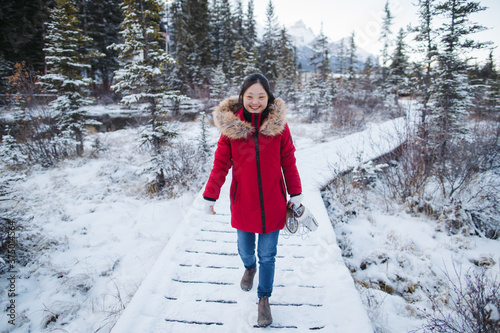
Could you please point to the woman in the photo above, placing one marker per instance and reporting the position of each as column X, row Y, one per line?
column 256, row 142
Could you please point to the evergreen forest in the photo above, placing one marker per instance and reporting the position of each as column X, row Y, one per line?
column 164, row 63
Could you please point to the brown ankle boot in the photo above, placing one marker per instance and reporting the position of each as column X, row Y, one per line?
column 247, row 279
column 264, row 317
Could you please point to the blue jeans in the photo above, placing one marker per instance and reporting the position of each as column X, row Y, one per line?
column 266, row 252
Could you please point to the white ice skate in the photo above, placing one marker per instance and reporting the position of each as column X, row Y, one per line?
column 300, row 216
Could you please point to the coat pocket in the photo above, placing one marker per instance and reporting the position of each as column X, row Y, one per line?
column 234, row 192
column 283, row 189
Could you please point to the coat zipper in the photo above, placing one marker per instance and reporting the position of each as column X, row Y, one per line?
column 259, row 179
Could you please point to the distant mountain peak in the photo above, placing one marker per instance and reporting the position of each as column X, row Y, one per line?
column 301, row 34
column 303, row 37
column 300, row 24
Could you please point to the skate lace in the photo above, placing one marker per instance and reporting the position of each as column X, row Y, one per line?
column 301, row 231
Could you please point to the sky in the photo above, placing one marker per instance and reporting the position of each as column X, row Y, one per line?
column 364, row 17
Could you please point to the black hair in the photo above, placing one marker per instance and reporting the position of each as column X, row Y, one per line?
column 252, row 79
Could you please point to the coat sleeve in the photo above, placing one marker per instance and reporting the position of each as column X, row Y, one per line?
column 222, row 164
column 288, row 163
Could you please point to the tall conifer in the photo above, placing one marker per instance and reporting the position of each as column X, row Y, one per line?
column 287, row 67
column 193, row 45
column 250, row 28
column 427, row 47
column 386, row 38
column 141, row 76
column 269, row 48
column 66, row 70
column 321, row 57
column 227, row 35
column 452, row 98
column 102, row 24
column 399, row 68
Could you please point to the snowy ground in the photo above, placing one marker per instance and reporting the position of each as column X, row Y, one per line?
column 194, row 287
column 98, row 236
column 410, row 259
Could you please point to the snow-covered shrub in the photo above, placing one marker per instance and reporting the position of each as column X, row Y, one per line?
column 346, row 117
column 470, row 185
column 341, row 199
column 97, row 147
column 36, row 139
column 345, row 195
column 459, row 189
column 11, row 153
column 205, row 147
column 180, row 165
column 365, row 175
column 473, row 305
column 185, row 167
column 408, row 174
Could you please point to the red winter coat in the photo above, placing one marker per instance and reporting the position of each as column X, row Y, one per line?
column 263, row 161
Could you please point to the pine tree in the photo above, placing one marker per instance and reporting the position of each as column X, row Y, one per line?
column 102, row 24
column 452, row 98
column 398, row 76
column 203, row 141
column 240, row 64
column 143, row 62
column 222, row 34
column 193, row 45
column 227, row 36
column 269, row 49
column 485, row 82
column 201, row 55
column 385, row 38
column 341, row 58
column 321, row 57
column 253, row 57
column 287, row 67
column 426, row 39
column 352, row 58
column 219, row 86
column 5, row 71
column 177, row 34
column 249, row 40
column 312, row 101
column 239, row 20
column 367, row 84
column 66, row 67
column 239, row 68
column 12, row 153
column 317, row 98
column 350, row 84
column 250, row 35
column 216, row 32
column 348, row 93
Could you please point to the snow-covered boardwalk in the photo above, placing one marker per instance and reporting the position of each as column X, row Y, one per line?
column 194, row 285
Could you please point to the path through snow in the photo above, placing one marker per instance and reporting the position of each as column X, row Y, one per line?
column 194, row 285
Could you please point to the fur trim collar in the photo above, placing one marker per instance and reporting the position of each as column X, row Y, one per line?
column 235, row 128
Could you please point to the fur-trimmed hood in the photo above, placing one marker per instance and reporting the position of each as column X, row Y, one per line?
column 234, row 127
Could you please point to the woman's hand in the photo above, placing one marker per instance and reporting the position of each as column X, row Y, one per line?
column 295, row 201
column 209, row 207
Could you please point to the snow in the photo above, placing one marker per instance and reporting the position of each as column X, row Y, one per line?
column 98, row 237
column 407, row 252
column 112, row 259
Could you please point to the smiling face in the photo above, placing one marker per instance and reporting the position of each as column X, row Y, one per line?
column 255, row 98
